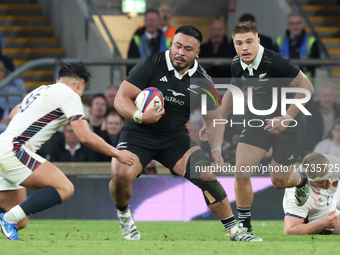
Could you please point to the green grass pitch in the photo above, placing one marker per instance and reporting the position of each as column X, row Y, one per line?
column 75, row 237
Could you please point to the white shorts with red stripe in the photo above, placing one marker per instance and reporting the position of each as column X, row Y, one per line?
column 16, row 166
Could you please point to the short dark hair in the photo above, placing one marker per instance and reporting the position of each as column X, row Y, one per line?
column 151, row 10
column 75, row 70
column 98, row 95
column 245, row 27
column 247, row 17
column 190, row 31
column 114, row 113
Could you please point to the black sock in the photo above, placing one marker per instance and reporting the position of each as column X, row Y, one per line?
column 229, row 222
column 304, row 179
column 122, row 208
column 2, row 210
column 244, row 215
column 41, row 200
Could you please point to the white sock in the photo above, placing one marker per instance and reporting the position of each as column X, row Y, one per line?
column 233, row 230
column 15, row 215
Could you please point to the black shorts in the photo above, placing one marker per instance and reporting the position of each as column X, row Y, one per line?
column 287, row 146
column 166, row 149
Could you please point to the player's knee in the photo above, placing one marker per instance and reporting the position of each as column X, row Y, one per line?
column 279, row 183
column 242, row 180
column 66, row 191
column 123, row 174
column 213, row 191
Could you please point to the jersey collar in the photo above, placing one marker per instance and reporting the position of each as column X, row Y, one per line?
column 190, row 71
column 255, row 64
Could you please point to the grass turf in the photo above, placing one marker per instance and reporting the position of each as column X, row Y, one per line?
column 76, row 237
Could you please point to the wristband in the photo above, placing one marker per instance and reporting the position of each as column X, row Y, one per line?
column 216, row 148
column 137, row 116
column 287, row 117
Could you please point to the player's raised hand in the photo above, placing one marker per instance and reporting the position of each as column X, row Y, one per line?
column 274, row 126
column 331, row 220
column 203, row 133
column 153, row 114
column 126, row 157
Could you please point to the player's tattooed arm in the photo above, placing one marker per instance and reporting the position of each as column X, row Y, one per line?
column 297, row 80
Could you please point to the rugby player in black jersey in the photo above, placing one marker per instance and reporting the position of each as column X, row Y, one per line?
column 263, row 70
column 162, row 136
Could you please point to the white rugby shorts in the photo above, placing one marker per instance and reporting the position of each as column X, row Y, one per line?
column 16, row 167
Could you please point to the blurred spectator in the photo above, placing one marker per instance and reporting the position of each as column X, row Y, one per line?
column 7, row 61
column 148, row 39
column 217, row 47
column 319, row 124
column 150, row 168
column 331, row 145
column 110, row 95
column 113, row 126
column 46, row 149
column 297, row 44
column 165, row 16
column 2, row 40
column 4, row 120
column 16, row 86
column 70, row 149
column 98, row 108
column 265, row 41
column 7, row 103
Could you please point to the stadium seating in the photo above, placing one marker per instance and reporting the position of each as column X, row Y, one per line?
column 28, row 37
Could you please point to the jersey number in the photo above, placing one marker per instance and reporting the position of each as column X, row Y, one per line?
column 25, row 104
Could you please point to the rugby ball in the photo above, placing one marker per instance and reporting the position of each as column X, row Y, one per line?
column 149, row 98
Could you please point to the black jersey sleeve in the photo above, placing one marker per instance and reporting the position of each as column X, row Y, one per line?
column 235, row 79
column 283, row 67
column 141, row 74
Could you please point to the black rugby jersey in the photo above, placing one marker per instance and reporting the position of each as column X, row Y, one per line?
column 274, row 70
column 181, row 95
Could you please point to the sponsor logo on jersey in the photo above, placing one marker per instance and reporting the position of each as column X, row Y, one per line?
column 173, row 100
column 175, row 94
column 164, row 79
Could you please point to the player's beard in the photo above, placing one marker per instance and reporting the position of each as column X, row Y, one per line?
column 184, row 65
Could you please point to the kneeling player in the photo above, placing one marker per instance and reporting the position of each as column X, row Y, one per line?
column 319, row 215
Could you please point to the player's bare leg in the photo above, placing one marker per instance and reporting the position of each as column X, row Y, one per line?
column 247, row 156
column 215, row 197
column 10, row 198
column 52, row 187
column 48, row 175
column 120, row 186
column 286, row 178
column 292, row 178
